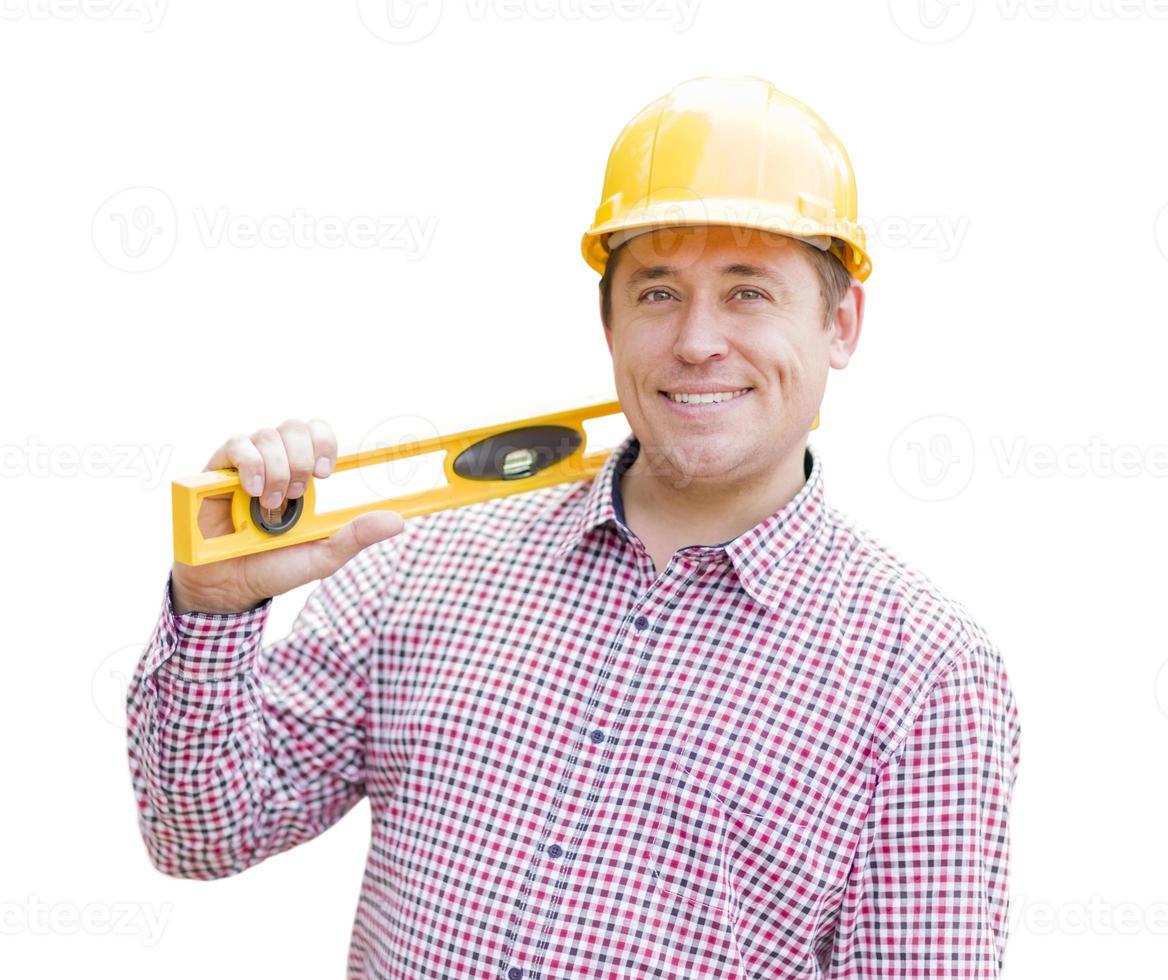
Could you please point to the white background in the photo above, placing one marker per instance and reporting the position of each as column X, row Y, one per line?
column 1002, row 425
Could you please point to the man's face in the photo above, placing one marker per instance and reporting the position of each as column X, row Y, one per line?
column 718, row 308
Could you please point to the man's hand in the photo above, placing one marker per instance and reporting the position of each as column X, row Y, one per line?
column 274, row 465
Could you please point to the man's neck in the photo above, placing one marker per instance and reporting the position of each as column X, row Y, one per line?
column 661, row 504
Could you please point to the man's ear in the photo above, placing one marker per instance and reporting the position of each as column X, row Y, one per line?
column 846, row 324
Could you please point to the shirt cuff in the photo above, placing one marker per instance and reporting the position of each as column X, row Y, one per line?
column 200, row 646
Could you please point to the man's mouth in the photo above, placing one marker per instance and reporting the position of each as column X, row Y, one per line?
column 697, row 401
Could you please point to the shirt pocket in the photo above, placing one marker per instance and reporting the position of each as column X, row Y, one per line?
column 688, row 840
column 725, row 822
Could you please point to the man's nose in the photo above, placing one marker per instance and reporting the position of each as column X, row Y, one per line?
column 701, row 330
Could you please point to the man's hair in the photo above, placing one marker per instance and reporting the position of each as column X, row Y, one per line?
column 834, row 280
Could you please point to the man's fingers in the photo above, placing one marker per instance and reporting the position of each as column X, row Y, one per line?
column 362, row 531
column 271, row 446
column 324, row 443
column 240, row 453
column 298, row 448
column 277, row 462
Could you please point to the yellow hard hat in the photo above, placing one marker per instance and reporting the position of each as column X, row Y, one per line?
column 730, row 151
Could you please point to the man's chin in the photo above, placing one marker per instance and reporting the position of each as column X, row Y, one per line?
column 701, row 457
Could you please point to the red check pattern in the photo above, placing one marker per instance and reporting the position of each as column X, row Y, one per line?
column 789, row 755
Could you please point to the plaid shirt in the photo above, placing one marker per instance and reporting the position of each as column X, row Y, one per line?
column 788, row 755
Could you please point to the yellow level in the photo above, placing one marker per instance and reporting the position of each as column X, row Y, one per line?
column 492, row 461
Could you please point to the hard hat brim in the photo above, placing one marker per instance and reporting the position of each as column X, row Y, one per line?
column 849, row 239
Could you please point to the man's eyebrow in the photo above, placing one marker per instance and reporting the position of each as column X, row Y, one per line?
column 653, row 272
column 756, row 272
column 650, row 272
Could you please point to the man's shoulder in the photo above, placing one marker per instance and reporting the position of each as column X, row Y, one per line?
column 894, row 599
column 516, row 519
column 906, row 633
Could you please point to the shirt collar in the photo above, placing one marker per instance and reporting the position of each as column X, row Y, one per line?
column 760, row 555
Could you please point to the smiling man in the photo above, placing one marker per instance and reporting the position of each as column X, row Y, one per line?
column 720, row 358
column 682, row 719
column 849, row 756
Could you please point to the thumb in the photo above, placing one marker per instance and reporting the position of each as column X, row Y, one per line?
column 362, row 531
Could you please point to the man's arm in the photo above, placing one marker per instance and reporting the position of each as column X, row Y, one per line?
column 928, row 897
column 238, row 752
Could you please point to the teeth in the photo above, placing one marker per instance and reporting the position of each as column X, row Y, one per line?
column 714, row 396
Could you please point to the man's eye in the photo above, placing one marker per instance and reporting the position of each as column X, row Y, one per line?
column 657, row 292
column 747, row 289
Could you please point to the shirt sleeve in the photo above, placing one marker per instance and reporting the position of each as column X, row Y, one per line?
column 237, row 751
column 928, row 896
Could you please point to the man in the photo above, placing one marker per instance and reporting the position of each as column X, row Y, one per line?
column 683, row 719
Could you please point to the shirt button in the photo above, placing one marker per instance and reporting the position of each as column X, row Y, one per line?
column 597, row 735
column 555, row 851
column 515, row 973
column 641, row 622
